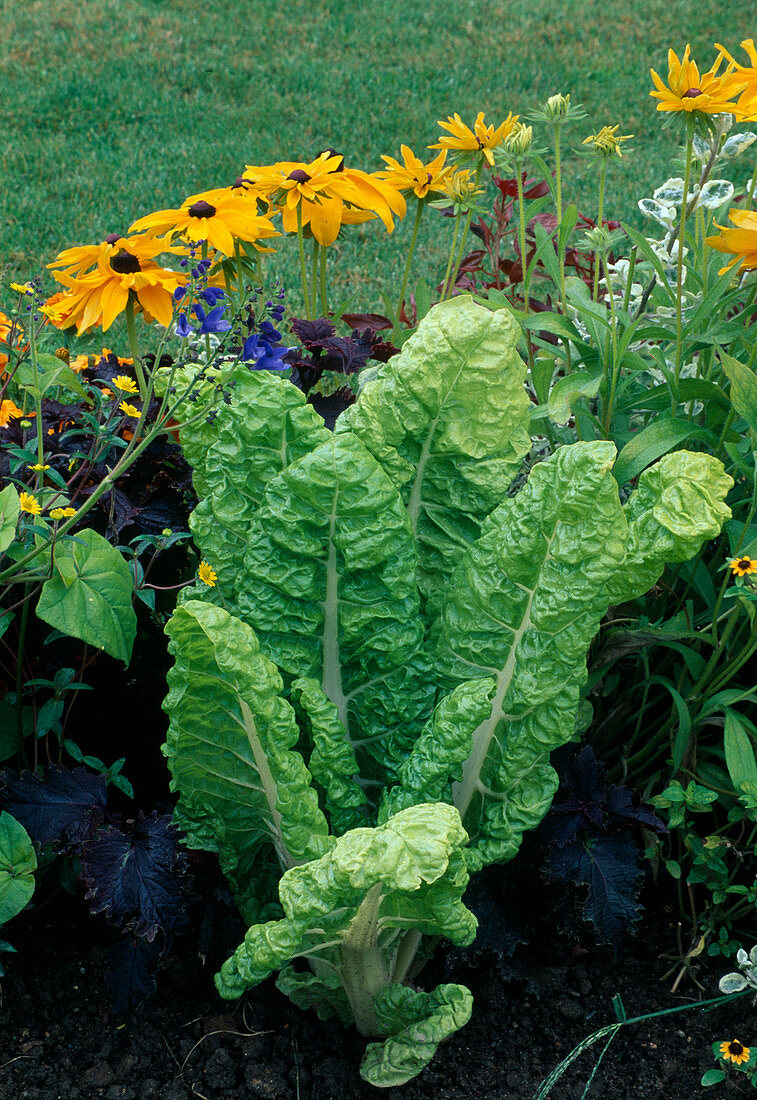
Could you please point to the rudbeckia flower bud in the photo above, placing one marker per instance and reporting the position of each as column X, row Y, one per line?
column 520, row 140
column 557, row 107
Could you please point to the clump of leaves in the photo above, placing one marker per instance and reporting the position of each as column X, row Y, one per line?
column 589, row 839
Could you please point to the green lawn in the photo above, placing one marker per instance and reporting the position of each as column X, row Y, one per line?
column 112, row 110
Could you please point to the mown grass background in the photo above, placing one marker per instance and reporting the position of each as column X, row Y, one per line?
column 114, row 109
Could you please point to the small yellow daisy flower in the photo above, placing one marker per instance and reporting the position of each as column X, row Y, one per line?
column 122, row 382
column 206, row 574
column 30, row 504
column 38, row 466
column 62, row 513
column 22, row 288
column 743, row 565
column 734, row 1052
column 129, row 410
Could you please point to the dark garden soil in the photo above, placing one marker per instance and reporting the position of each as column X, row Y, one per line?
column 60, row 1040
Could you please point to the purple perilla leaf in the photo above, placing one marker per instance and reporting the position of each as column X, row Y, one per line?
column 64, row 808
column 135, row 877
column 609, row 866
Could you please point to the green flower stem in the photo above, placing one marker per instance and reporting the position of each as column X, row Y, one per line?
column 679, row 267
column 303, row 266
column 37, row 405
column 750, row 192
column 411, row 251
column 451, row 257
column 600, row 212
column 523, row 258
column 629, row 280
column 314, row 275
column 615, row 357
column 131, row 329
column 464, row 236
column 240, row 279
column 22, row 628
column 324, row 284
column 558, row 211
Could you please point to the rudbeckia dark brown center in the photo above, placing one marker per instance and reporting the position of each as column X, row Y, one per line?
column 112, row 238
column 744, row 563
column 735, row 1048
column 334, row 153
column 692, row 93
column 124, row 263
column 240, row 181
column 201, row 209
column 299, row 175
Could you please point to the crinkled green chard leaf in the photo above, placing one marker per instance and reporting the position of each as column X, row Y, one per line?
column 244, row 791
column 332, row 761
column 523, row 607
column 267, row 425
column 346, row 913
column 417, row 1022
column 679, row 504
column 448, row 419
column 329, row 587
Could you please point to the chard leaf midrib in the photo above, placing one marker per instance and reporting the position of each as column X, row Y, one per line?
column 269, row 786
column 464, row 790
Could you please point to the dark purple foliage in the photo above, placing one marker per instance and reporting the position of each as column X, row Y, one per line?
column 136, row 877
column 64, row 808
column 132, row 966
column 588, row 836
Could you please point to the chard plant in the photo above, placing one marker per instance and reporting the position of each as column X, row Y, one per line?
column 363, row 705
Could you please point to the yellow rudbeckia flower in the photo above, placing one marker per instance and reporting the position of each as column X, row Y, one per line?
column 481, row 138
column 741, row 242
column 218, row 217
column 413, row 175
column 687, row 91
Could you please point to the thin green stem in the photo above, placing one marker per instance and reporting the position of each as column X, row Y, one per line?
column 615, row 356
column 22, row 628
column 314, row 276
column 679, row 266
column 464, row 236
column 600, row 212
column 450, row 261
column 303, row 265
column 131, row 329
column 324, row 285
column 411, row 250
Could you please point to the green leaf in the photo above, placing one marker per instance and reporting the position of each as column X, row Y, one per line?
column 18, row 862
column 329, row 587
column 679, row 504
column 577, row 384
column 541, row 377
column 739, row 752
column 524, row 605
column 338, row 904
column 713, row 1077
column 244, row 789
column 51, row 372
column 651, row 443
column 332, row 762
column 448, row 420
column 9, row 742
column 743, row 389
column 89, row 595
column 267, row 425
column 417, row 1023
column 9, row 512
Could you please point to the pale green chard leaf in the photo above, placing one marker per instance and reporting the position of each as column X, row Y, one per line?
column 329, row 586
column 9, row 511
column 417, row 1023
column 332, row 762
column 448, row 419
column 343, row 909
column 89, row 595
column 267, row 425
column 438, row 755
column 678, row 505
column 18, row 862
column 523, row 607
column 244, row 790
